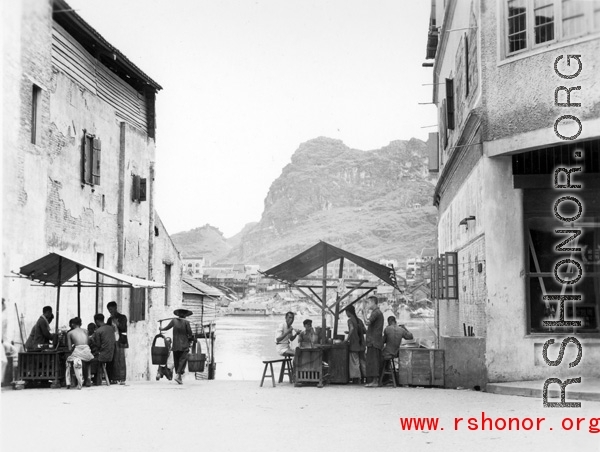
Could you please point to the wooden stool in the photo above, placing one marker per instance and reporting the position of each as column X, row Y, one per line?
column 105, row 373
column 287, row 368
column 269, row 365
column 389, row 368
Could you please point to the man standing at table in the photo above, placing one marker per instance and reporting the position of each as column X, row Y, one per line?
column 374, row 342
column 284, row 335
column 118, row 368
column 40, row 333
column 104, row 343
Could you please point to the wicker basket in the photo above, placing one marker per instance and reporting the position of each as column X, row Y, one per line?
column 160, row 355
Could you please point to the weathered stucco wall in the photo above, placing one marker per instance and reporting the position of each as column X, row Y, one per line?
column 464, row 362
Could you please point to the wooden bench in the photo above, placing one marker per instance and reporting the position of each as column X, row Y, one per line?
column 286, row 369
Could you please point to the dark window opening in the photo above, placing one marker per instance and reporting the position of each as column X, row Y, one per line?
column 90, row 159
column 36, row 96
column 450, row 103
column 138, row 192
column 137, row 305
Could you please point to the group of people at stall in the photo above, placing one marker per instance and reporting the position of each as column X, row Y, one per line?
column 369, row 344
column 98, row 351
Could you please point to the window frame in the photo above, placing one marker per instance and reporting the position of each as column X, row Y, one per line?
column 91, row 152
column 557, row 6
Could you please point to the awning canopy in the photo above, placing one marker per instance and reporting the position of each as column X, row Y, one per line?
column 191, row 285
column 57, row 269
column 313, row 258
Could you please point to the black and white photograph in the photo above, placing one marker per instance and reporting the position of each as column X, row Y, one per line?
column 294, row 225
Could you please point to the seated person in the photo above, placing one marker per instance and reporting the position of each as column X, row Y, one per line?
column 40, row 335
column 307, row 338
column 77, row 340
column 392, row 338
column 104, row 341
column 284, row 335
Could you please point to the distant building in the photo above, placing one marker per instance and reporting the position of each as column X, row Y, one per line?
column 194, row 266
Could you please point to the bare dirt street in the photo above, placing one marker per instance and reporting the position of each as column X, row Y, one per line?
column 239, row 415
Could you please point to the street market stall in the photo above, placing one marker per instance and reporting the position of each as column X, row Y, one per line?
column 296, row 273
column 58, row 270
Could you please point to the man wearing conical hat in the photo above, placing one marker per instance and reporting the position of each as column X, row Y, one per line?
column 182, row 335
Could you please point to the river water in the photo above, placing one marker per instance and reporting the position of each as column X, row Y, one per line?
column 242, row 342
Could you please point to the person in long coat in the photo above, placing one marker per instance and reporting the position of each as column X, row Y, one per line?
column 182, row 335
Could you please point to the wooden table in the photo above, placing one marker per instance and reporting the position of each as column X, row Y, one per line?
column 337, row 356
column 46, row 365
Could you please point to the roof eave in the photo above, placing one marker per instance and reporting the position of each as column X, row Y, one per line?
column 70, row 20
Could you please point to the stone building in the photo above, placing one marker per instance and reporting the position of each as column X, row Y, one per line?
column 78, row 172
column 516, row 87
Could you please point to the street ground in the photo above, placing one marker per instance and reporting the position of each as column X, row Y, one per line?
column 241, row 416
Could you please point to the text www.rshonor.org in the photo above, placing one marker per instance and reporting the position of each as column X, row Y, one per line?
column 591, row 425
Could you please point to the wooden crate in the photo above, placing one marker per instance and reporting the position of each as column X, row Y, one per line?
column 36, row 366
column 421, row 367
column 308, row 366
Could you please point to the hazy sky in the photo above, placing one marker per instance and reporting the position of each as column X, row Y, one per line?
column 245, row 82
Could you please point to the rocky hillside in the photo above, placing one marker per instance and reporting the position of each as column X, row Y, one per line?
column 206, row 241
column 373, row 203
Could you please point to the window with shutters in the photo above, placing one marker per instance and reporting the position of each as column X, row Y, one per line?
column 443, row 126
column 90, row 159
column 444, row 277
column 139, row 189
column 137, row 305
column 450, row 103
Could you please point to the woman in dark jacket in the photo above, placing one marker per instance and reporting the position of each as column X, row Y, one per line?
column 356, row 343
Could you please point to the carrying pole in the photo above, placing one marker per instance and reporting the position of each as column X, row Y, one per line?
column 20, row 327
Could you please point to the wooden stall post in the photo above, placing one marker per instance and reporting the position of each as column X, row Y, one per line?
column 58, row 293
column 78, row 293
column 324, row 300
column 337, row 300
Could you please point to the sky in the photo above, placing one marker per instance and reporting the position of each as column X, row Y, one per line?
column 246, row 82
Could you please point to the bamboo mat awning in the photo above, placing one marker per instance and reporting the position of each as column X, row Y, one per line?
column 57, row 270
column 295, row 272
column 313, row 258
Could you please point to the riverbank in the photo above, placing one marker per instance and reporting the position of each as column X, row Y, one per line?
column 240, row 415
